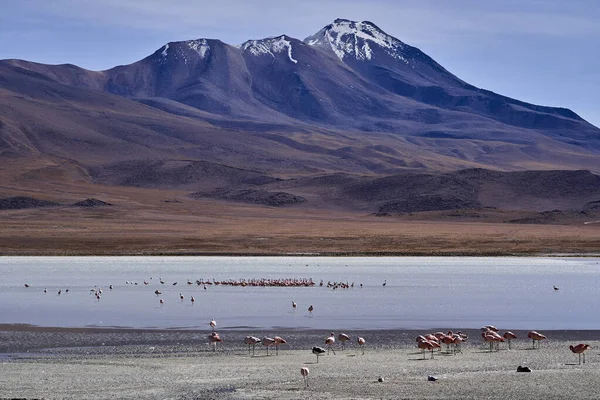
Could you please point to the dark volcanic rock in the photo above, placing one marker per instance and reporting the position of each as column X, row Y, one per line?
column 427, row 203
column 15, row 203
column 274, row 199
column 91, row 203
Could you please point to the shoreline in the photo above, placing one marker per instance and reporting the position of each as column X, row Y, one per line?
column 182, row 365
column 450, row 254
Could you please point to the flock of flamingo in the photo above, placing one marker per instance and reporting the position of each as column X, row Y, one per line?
column 428, row 342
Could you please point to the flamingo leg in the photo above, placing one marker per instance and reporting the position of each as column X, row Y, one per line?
column 584, row 358
column 579, row 358
column 423, row 351
column 276, row 350
column 317, row 358
column 432, row 354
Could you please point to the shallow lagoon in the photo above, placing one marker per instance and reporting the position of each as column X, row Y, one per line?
column 421, row 292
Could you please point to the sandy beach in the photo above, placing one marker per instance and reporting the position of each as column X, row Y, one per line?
column 57, row 363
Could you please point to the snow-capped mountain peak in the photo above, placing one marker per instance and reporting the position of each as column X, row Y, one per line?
column 357, row 40
column 270, row 46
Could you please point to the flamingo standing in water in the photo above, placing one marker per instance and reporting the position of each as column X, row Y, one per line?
column 318, row 351
column 343, row 338
column 251, row 341
column 361, row 343
column 213, row 324
column 304, row 372
column 508, row 335
column 580, row 349
column 214, row 338
column 533, row 335
column 329, row 342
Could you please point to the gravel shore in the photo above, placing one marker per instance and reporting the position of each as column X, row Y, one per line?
column 56, row 363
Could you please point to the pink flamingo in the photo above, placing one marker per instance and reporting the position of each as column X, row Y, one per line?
column 278, row 341
column 304, row 372
column 508, row 335
column 580, row 349
column 361, row 343
column 329, row 342
column 533, row 335
column 426, row 345
column 267, row 341
column 214, row 338
column 492, row 337
column 343, row 338
column 251, row 341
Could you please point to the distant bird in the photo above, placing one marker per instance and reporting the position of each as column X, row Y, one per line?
column 162, row 301
column 533, row 335
column 251, row 341
column 508, row 335
column 59, row 292
column 329, row 342
column 343, row 338
column 161, row 281
column 580, row 349
column 523, row 369
column 157, row 292
column 45, row 290
column 361, row 343
column 192, row 299
column 278, row 340
column 384, row 283
column 310, row 309
column 174, row 283
column 181, row 296
column 67, row 291
column 26, row 285
column 318, row 351
column 294, row 305
column 110, row 287
column 213, row 324
column 555, row 288
column 304, row 372
column 214, row 338
column 431, row 378
column 267, row 341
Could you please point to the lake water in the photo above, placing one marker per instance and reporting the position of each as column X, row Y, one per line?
column 421, row 293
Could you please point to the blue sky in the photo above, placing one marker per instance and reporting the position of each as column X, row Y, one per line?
column 540, row 51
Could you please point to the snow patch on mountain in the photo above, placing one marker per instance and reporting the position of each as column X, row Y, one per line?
column 357, row 39
column 200, row 46
column 270, row 46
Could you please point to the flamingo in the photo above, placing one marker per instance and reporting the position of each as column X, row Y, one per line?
column 492, row 337
column 361, row 343
column 304, row 372
column 580, row 349
column 213, row 324
column 267, row 341
column 329, row 342
column 214, row 338
column 318, row 351
column 533, row 335
column 426, row 345
column 294, row 305
column 278, row 340
column 508, row 335
column 343, row 338
column 251, row 341
column 310, row 309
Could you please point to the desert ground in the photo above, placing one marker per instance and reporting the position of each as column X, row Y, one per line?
column 161, row 222
column 99, row 364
